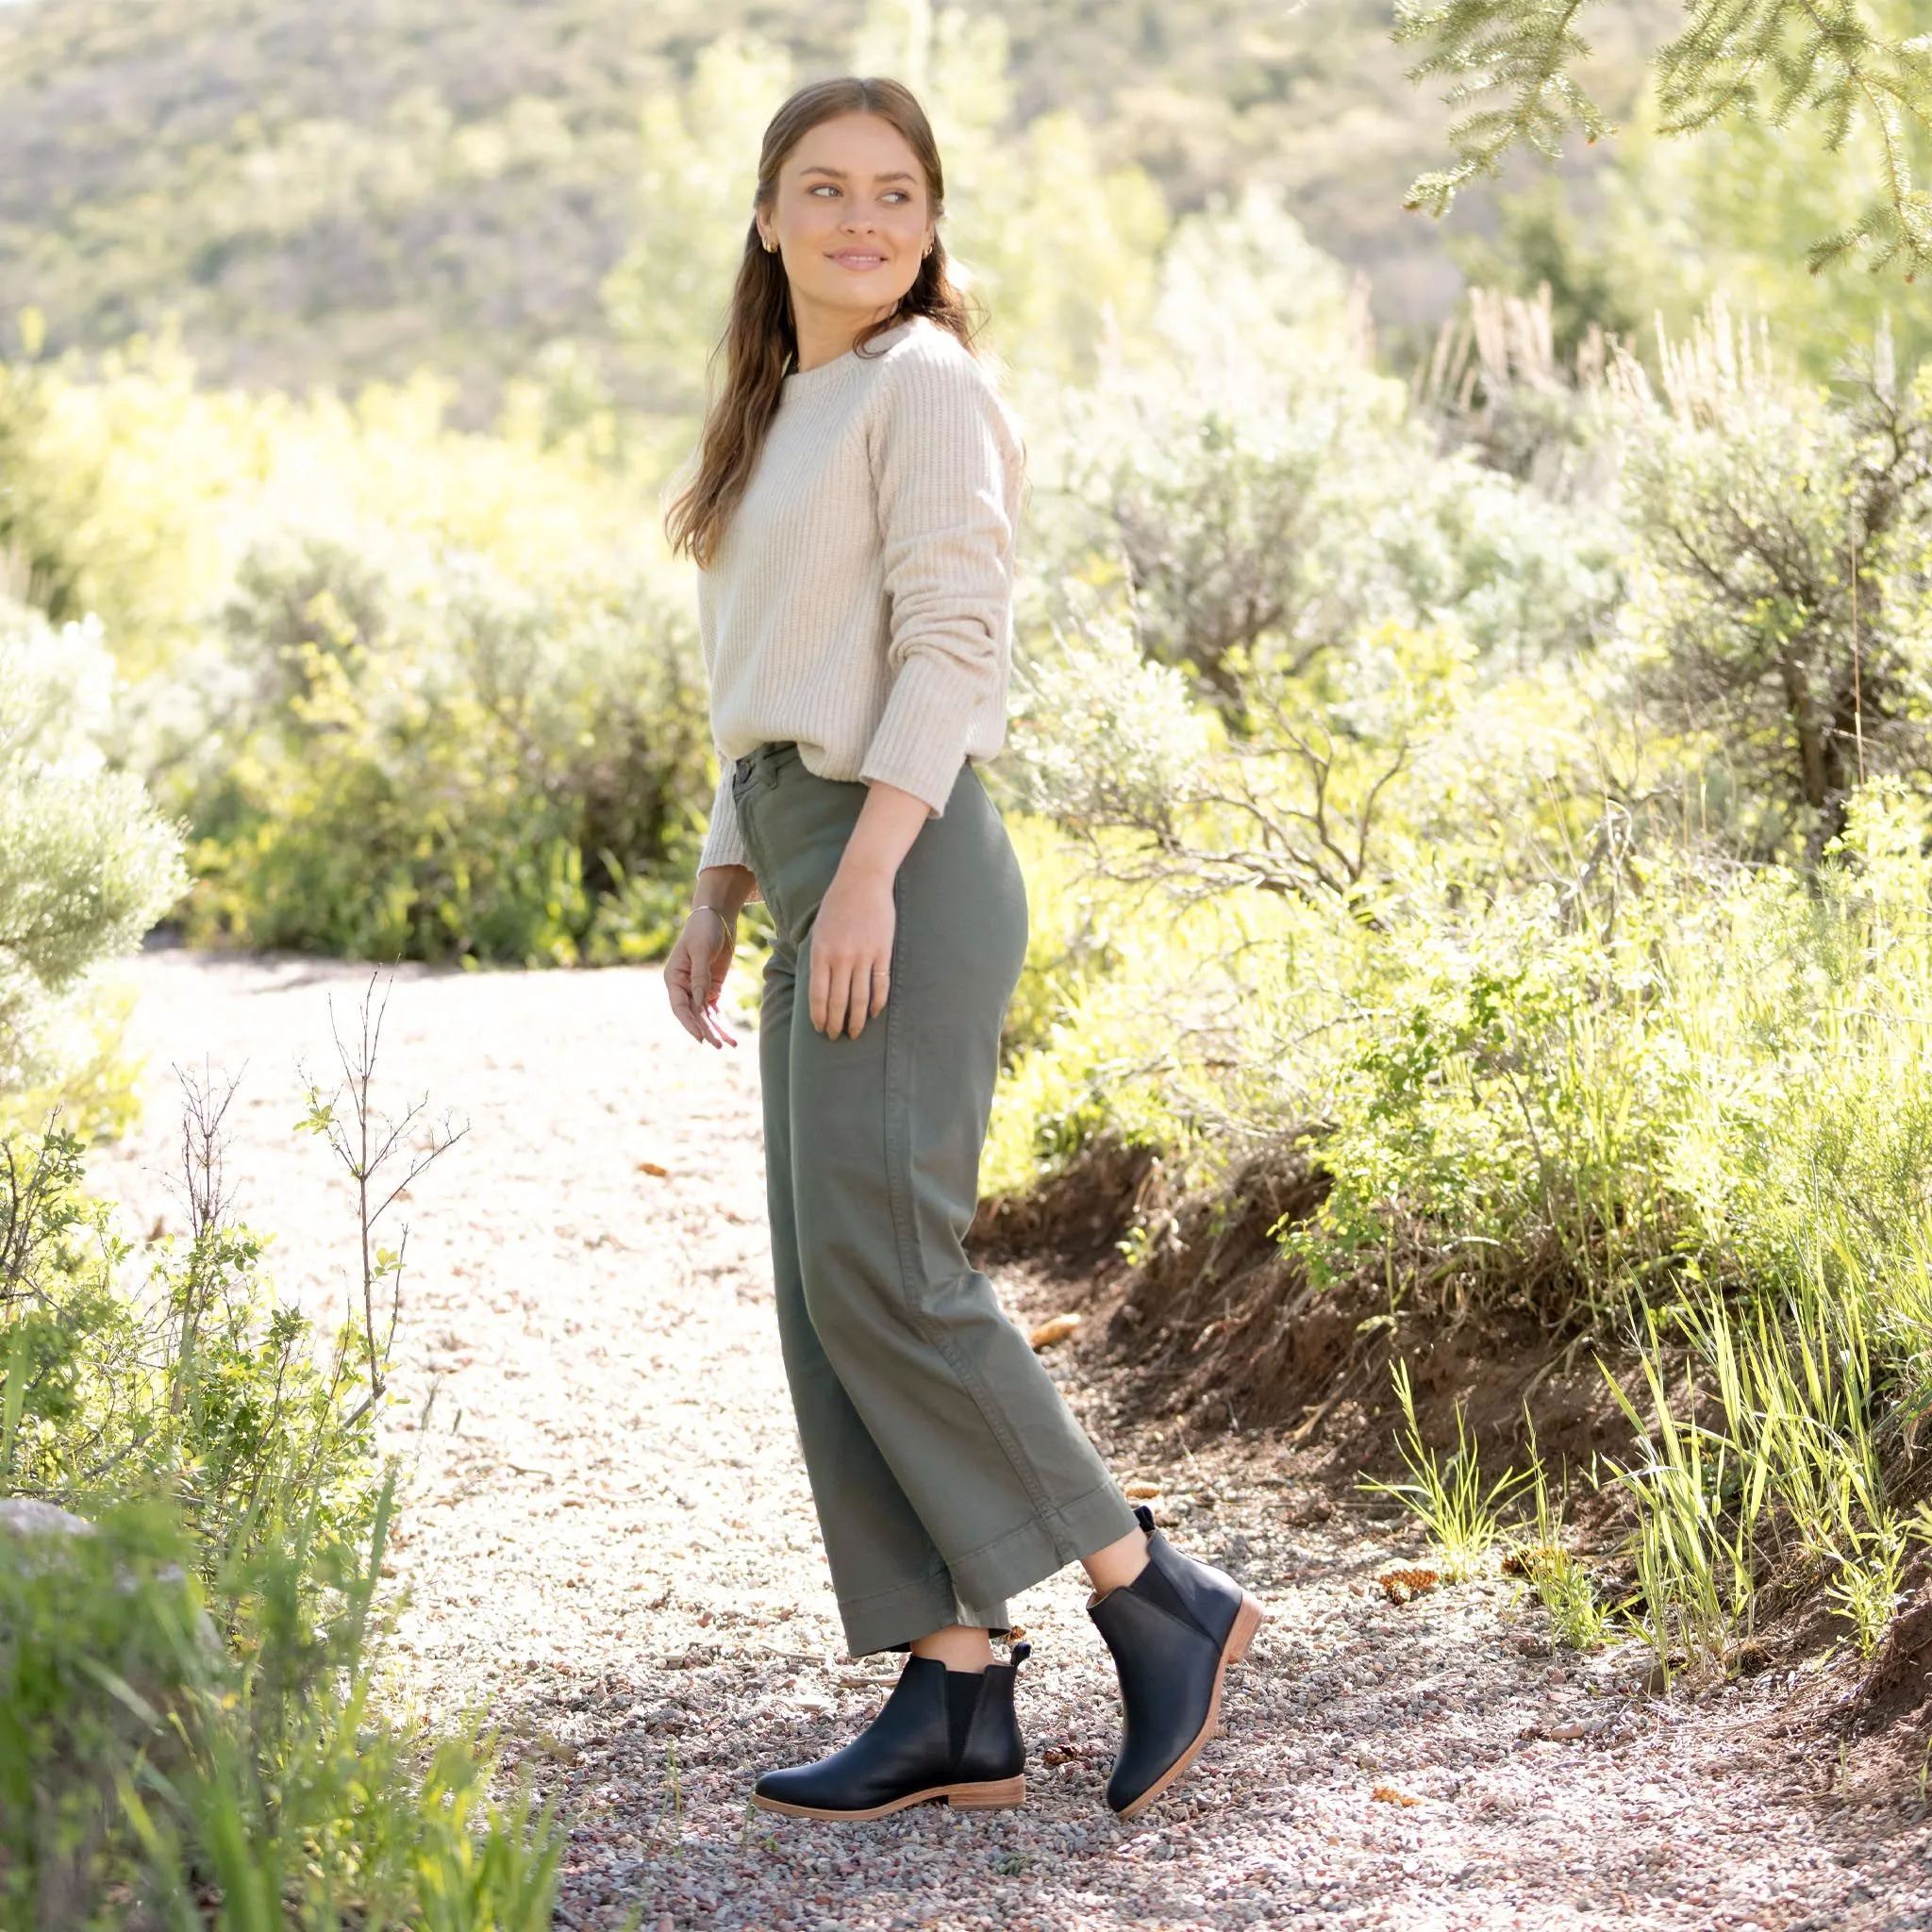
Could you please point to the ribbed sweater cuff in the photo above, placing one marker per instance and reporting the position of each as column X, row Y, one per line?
column 723, row 842
column 921, row 739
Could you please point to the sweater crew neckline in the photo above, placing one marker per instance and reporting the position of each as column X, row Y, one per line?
column 804, row 381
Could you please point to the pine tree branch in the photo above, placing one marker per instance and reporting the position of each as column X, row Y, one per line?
column 1514, row 53
column 1769, row 60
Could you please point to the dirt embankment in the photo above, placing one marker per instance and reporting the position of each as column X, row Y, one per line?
column 1218, row 1336
column 1218, row 1328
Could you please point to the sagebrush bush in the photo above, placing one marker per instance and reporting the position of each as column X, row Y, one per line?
column 1778, row 575
column 421, row 757
column 87, row 864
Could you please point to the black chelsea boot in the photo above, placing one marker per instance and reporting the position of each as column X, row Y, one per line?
column 947, row 1735
column 1174, row 1631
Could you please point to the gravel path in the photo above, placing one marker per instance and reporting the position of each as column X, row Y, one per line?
column 610, row 1550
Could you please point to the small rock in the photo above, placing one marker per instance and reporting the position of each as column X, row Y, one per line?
column 26, row 1516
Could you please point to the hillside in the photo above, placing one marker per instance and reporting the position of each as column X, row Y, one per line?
column 334, row 194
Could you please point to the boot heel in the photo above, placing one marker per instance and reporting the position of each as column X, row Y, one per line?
column 1248, row 1621
column 1000, row 1794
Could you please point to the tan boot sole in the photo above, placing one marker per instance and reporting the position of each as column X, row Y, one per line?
column 1000, row 1794
column 1248, row 1621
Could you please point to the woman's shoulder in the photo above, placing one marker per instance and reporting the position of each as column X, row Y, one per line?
column 931, row 377
column 925, row 355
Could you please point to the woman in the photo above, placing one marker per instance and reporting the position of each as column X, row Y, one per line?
column 852, row 509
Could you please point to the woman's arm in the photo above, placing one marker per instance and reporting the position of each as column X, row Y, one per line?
column 694, row 974
column 945, row 467
column 947, row 470
column 852, row 936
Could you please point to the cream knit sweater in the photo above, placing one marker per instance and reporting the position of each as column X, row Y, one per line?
column 860, row 603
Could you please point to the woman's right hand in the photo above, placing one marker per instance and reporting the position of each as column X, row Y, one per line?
column 695, row 972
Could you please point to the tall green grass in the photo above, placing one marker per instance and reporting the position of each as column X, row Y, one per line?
column 1774, row 1453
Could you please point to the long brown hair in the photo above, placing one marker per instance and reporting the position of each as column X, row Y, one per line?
column 760, row 342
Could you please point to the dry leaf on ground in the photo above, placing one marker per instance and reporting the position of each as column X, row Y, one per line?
column 1388, row 1794
column 1055, row 1328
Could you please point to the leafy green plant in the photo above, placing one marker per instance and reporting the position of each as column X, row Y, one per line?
column 192, row 1385
column 1865, row 1590
column 143, row 1758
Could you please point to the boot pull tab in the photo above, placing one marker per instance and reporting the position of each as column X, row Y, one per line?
column 1019, row 1653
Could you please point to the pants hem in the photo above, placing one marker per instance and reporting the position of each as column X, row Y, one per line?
column 1049, row 1541
column 891, row 1619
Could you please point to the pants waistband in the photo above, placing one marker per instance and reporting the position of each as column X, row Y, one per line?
column 767, row 750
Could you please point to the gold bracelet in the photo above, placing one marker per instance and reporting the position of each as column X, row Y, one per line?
column 715, row 915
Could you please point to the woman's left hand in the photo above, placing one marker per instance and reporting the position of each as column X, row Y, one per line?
column 852, row 950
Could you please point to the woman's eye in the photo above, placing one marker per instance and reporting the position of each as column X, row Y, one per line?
column 831, row 188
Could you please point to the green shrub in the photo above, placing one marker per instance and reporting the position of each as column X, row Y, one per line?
column 86, row 866
column 1778, row 575
column 417, row 757
column 188, row 1695
column 190, row 1384
column 1332, row 714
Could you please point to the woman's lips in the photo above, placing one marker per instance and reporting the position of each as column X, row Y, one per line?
column 858, row 258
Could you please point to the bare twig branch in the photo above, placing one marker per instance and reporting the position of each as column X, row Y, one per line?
column 365, row 1144
column 202, row 1188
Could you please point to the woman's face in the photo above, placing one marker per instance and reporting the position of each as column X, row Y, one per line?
column 851, row 217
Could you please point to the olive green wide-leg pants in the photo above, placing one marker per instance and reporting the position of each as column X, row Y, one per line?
column 946, row 1468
